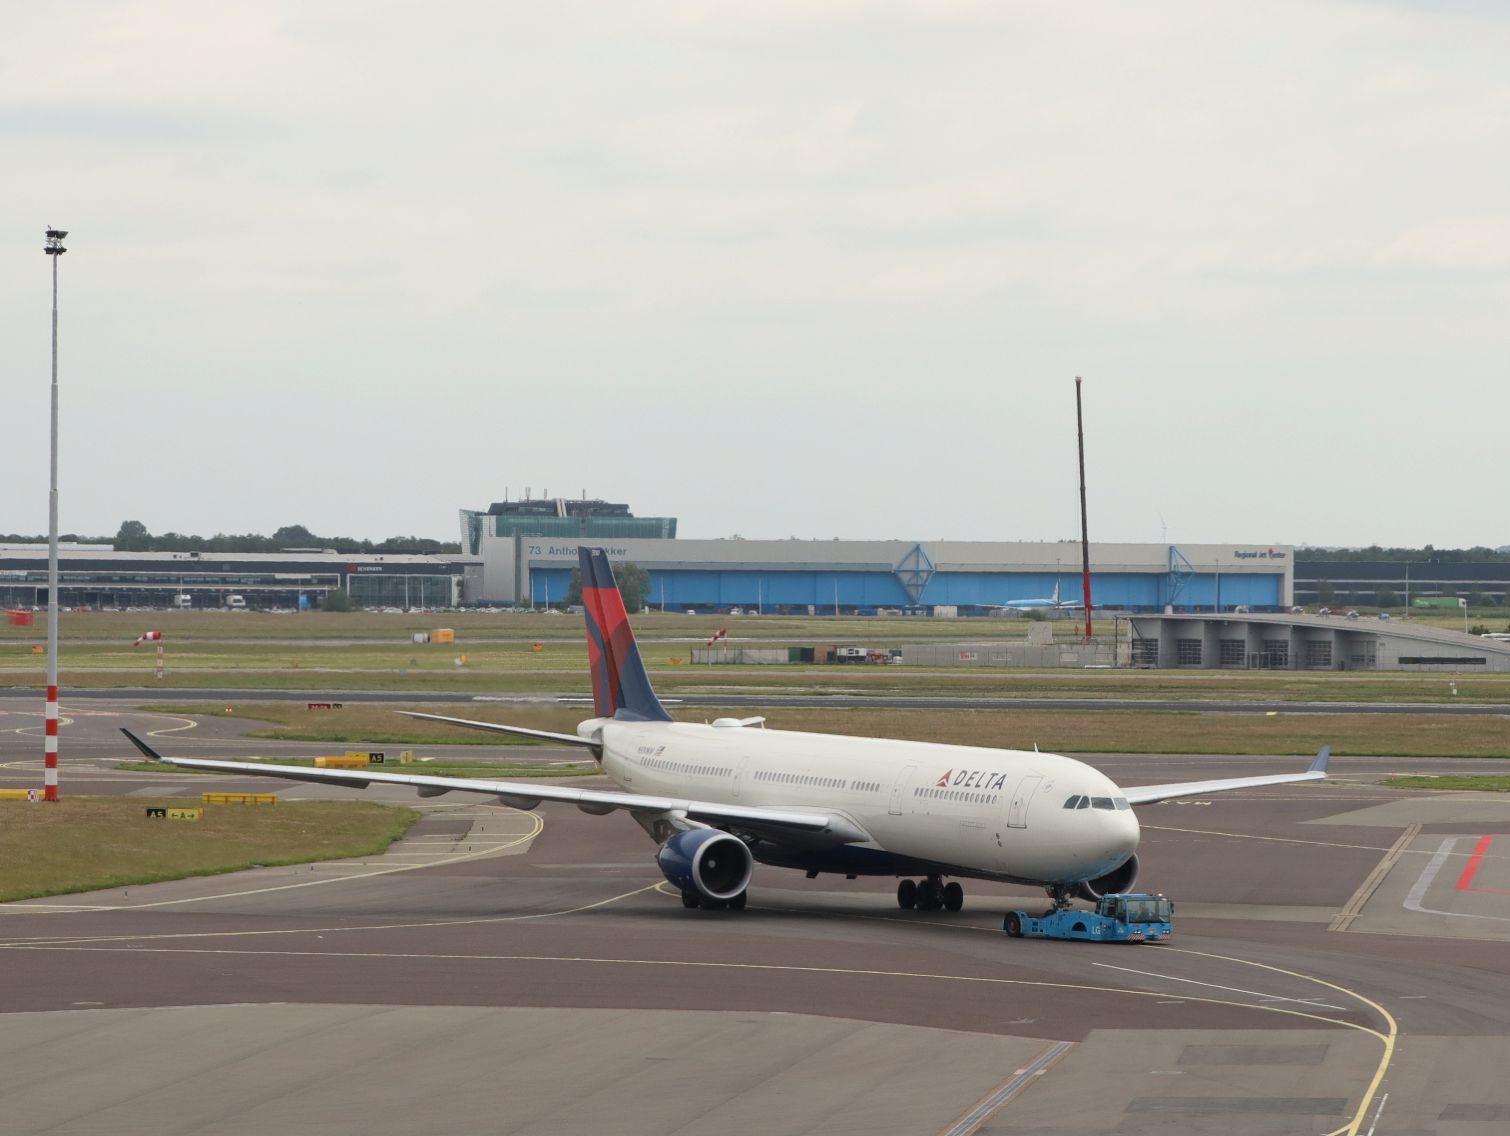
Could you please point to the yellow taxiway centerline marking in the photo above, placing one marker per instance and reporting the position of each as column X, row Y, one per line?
column 1388, row 1040
column 1351, row 1128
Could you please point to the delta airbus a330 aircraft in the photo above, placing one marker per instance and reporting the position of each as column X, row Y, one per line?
column 718, row 797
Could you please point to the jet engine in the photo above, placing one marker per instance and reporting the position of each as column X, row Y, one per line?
column 1120, row 879
column 707, row 863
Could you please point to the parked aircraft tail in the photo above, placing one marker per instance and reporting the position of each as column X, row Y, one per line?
column 620, row 686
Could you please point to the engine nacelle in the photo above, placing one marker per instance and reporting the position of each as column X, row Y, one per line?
column 1121, row 879
column 514, row 801
column 707, row 862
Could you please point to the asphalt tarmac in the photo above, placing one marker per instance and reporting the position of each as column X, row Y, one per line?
column 1341, row 963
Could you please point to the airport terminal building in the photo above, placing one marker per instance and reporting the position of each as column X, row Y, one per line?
column 97, row 576
column 521, row 553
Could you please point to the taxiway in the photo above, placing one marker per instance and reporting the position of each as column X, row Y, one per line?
column 1340, row 961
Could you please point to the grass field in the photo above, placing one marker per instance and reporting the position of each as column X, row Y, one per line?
column 561, row 667
column 107, row 626
column 1102, row 731
column 1448, row 781
column 88, row 843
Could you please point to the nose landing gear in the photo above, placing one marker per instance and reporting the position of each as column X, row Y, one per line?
column 1059, row 898
column 930, row 894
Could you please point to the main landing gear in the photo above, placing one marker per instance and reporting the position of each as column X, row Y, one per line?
column 930, row 895
column 692, row 899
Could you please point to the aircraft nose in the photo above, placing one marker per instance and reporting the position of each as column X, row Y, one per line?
column 1124, row 830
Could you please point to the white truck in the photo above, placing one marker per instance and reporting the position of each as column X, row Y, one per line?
column 233, row 602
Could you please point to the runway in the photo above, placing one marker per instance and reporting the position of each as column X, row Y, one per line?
column 1335, row 965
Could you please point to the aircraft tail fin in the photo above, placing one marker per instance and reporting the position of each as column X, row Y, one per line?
column 620, row 685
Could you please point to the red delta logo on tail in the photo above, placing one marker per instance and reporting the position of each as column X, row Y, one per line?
column 620, row 686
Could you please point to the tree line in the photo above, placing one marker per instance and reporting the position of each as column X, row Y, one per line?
column 1425, row 555
column 134, row 536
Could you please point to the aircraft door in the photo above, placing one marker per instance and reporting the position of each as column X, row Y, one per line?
column 740, row 772
column 904, row 778
column 1017, row 812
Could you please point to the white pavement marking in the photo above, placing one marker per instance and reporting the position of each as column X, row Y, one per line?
column 78, row 941
column 1429, row 873
column 978, row 1115
column 690, row 964
column 1417, row 893
column 1259, row 836
column 1218, row 986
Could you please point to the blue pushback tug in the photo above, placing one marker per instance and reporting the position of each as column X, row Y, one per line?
column 1134, row 917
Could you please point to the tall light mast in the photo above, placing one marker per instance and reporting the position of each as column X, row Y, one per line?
column 53, row 248
column 1085, row 540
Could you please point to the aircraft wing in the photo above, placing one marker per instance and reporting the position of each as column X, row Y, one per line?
column 500, row 728
column 1149, row 794
column 528, row 795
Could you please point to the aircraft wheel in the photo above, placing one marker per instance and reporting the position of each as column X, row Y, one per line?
column 1012, row 925
column 691, row 899
column 739, row 901
column 954, row 896
column 907, row 894
column 930, row 895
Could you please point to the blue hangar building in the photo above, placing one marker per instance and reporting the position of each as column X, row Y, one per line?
column 510, row 564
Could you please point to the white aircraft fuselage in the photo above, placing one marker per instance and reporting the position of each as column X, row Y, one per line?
column 964, row 810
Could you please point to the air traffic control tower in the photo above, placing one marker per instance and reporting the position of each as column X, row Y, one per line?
column 541, row 527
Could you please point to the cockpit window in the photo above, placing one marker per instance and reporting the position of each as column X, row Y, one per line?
column 1073, row 802
column 1085, row 803
column 1101, row 803
column 1121, row 803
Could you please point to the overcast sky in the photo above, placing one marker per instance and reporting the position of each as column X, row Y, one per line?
column 778, row 269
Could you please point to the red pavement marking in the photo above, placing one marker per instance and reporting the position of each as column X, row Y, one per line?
column 1465, row 881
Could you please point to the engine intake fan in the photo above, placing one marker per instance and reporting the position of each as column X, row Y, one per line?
column 707, row 862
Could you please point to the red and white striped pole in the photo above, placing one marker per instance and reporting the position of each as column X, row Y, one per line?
column 54, row 249
column 50, row 773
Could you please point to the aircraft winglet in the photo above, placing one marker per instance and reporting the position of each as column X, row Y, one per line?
column 1320, row 764
column 152, row 754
